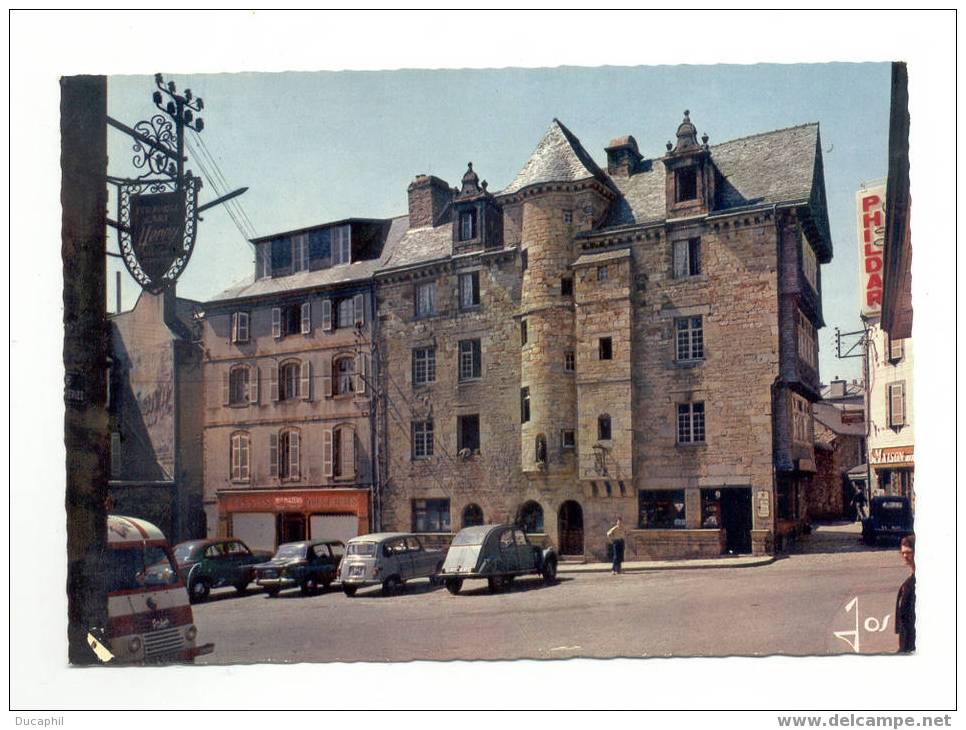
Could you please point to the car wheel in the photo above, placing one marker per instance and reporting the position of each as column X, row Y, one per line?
column 309, row 586
column 326, row 582
column 242, row 588
column 272, row 592
column 350, row 591
column 549, row 571
column 496, row 583
column 391, row 585
column 453, row 585
column 199, row 589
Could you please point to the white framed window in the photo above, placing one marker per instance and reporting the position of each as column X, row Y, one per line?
column 807, row 345
column 422, row 439
column 343, row 371
column 263, row 261
column 239, row 327
column 689, row 338
column 470, row 359
column 896, row 395
column 424, row 365
column 239, row 382
column 469, row 290
column 341, row 245
column 306, row 317
column 809, row 264
column 690, row 423
column 346, row 312
column 801, row 420
column 426, row 299
column 240, row 456
column 687, row 258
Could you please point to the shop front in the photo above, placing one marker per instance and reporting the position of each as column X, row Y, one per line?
column 267, row 518
column 892, row 471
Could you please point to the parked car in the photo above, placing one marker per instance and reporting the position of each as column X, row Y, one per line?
column 207, row 564
column 498, row 553
column 306, row 565
column 389, row 559
column 889, row 517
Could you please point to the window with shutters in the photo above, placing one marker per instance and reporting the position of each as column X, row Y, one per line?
column 424, row 365
column 343, row 375
column 343, row 453
column 687, row 258
column 689, row 338
column 469, row 290
column 470, row 360
column 426, row 299
column 894, row 348
column 238, row 385
column 422, row 439
column 345, row 313
column 289, row 376
column 288, row 454
column 287, row 320
column 239, row 327
column 341, row 245
column 240, row 456
column 896, row 399
column 690, row 423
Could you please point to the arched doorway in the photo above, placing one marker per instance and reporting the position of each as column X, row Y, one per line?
column 472, row 515
column 530, row 517
column 570, row 528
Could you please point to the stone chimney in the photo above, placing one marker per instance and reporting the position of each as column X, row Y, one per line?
column 622, row 156
column 428, row 198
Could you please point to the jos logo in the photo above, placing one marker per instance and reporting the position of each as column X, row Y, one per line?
column 871, row 624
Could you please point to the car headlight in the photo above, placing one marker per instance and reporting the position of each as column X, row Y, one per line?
column 134, row 645
column 191, row 632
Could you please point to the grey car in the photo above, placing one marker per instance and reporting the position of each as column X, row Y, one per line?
column 388, row 559
column 498, row 553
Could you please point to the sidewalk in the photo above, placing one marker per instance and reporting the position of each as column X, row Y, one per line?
column 635, row 566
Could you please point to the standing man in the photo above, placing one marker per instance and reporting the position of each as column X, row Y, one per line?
column 617, row 534
column 906, row 599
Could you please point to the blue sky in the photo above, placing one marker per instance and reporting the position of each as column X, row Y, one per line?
column 314, row 147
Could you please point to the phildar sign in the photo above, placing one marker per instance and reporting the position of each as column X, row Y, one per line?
column 870, row 203
column 157, row 231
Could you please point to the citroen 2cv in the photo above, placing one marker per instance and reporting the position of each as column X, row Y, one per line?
column 498, row 553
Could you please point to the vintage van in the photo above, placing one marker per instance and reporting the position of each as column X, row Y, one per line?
column 149, row 615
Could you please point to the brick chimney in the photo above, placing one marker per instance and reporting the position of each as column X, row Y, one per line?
column 623, row 156
column 428, row 198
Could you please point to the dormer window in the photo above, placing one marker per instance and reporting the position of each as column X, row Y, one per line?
column 467, row 225
column 687, row 184
column 341, row 245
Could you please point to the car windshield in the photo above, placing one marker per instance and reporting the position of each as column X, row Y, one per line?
column 469, row 537
column 362, row 548
column 182, row 553
column 139, row 568
column 290, row 551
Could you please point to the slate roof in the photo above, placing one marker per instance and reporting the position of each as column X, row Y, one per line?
column 417, row 245
column 763, row 169
column 559, row 157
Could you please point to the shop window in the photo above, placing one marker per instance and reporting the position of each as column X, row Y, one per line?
column 605, row 348
column 661, row 509
column 424, row 365
column 687, row 258
column 603, row 428
column 690, row 423
column 470, row 360
column 689, row 338
column 472, row 515
column 711, row 508
column 240, row 456
column 422, row 439
column 469, row 285
column 430, row 515
column 468, row 433
column 530, row 517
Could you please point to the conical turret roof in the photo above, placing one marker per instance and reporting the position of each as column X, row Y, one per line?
column 559, row 157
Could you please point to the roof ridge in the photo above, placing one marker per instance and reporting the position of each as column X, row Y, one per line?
column 765, row 134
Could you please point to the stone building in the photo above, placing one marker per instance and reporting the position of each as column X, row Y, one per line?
column 155, row 423
column 584, row 343
column 288, row 422
column 839, row 451
column 890, row 393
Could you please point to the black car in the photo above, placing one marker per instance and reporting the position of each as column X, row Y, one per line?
column 498, row 553
column 207, row 564
column 889, row 517
column 306, row 565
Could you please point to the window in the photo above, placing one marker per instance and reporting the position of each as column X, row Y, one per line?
column 424, row 365
column 343, row 374
column 711, row 508
column 523, row 332
column 807, row 347
column 422, row 439
column 568, row 439
column 801, row 420
column 687, row 258
column 470, row 290
column 603, row 273
column 426, row 299
column 809, row 264
column 567, row 286
column 239, row 327
column 524, row 405
column 238, row 383
column 568, row 216
column 661, row 509
column 285, row 454
column 540, row 449
column 690, row 423
column 472, row 515
column 570, row 361
column 300, row 252
column 430, row 515
column 343, row 452
column 240, row 457
column 341, row 245
column 896, row 394
column 468, row 433
column 470, row 359
column 290, row 319
column 289, row 376
column 603, row 428
column 263, row 261
column 524, row 260
column 281, row 255
column 349, row 312
column 605, row 348
column 467, row 225
column 894, row 348
column 530, row 517
column 689, row 338
column 687, row 184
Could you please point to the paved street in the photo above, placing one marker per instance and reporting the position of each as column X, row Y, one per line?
column 793, row 606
